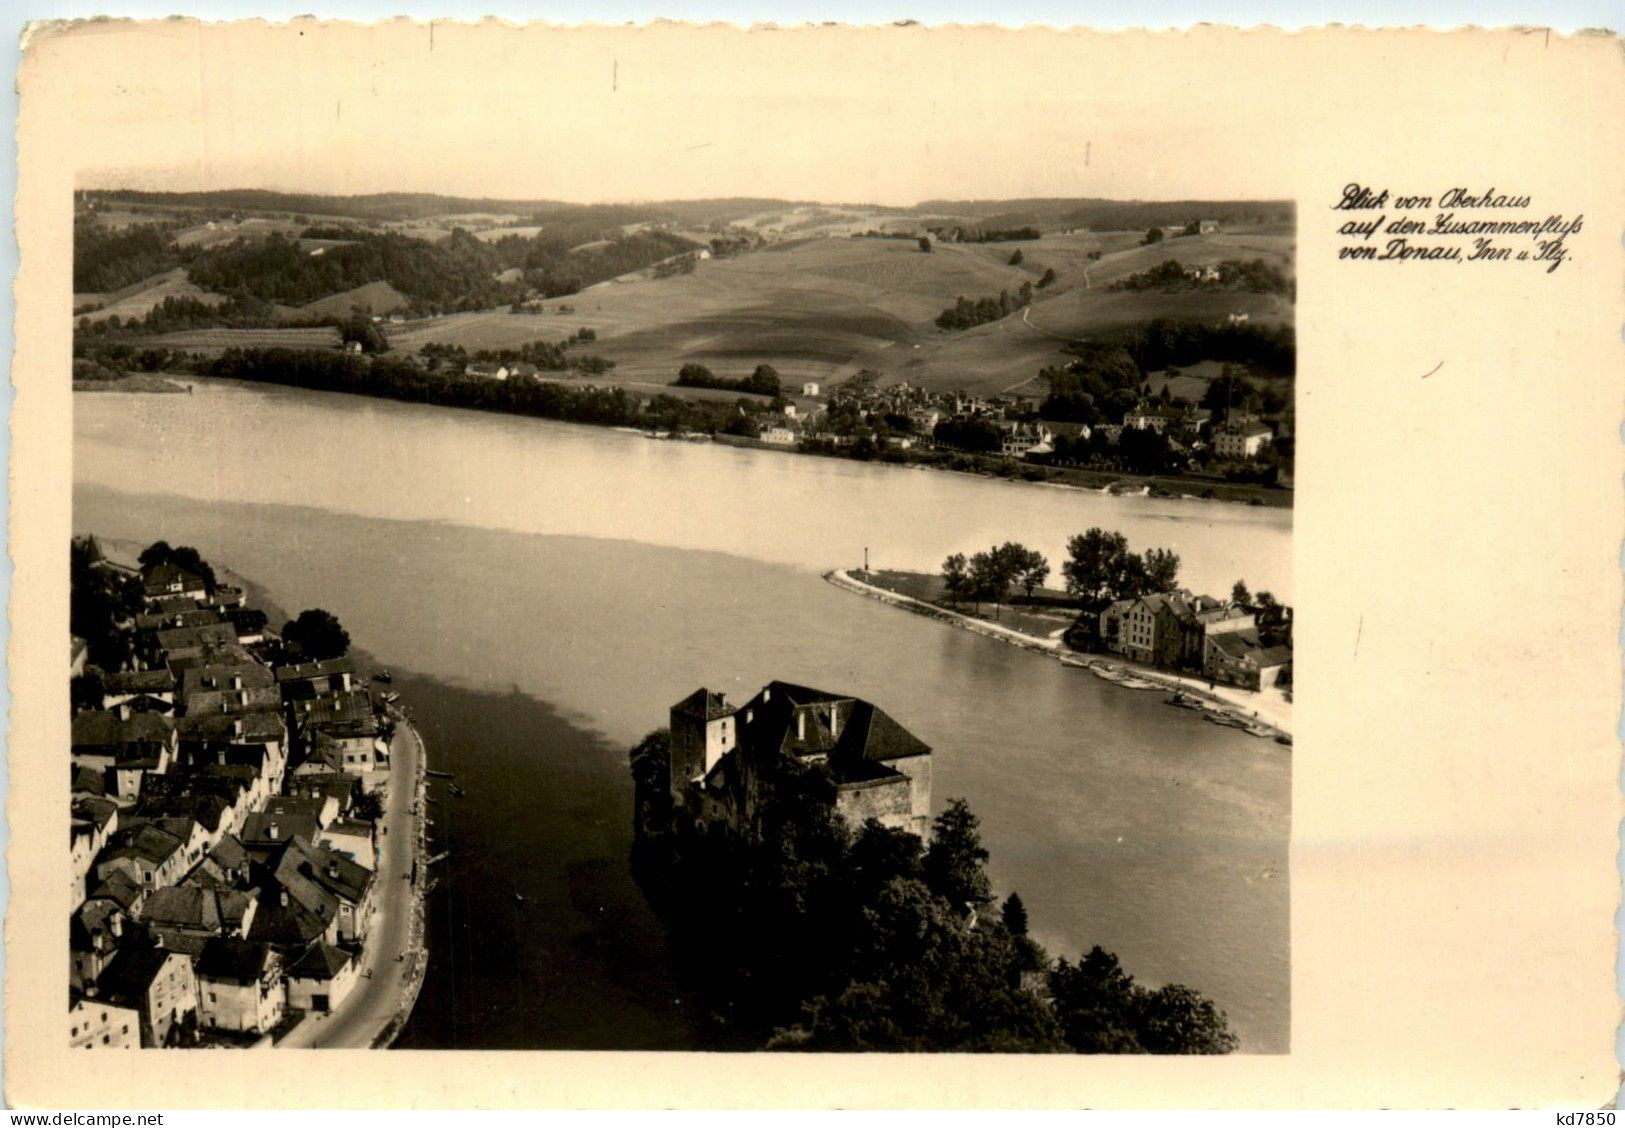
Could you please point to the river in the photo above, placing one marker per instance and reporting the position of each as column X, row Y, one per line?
column 544, row 592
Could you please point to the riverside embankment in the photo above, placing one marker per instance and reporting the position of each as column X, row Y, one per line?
column 1262, row 714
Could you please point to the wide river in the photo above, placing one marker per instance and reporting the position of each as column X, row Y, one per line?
column 544, row 592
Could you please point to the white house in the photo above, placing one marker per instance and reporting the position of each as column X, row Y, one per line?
column 810, row 388
column 1241, row 441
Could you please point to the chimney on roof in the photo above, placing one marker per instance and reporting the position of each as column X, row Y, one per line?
column 115, row 925
column 834, row 718
column 273, row 831
column 282, row 897
column 801, row 725
column 767, row 694
column 333, row 870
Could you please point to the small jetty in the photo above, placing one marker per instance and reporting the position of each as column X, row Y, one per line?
column 440, row 857
column 456, row 791
column 438, row 775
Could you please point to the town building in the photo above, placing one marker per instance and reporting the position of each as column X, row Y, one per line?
column 98, row 1024
column 1241, row 440
column 720, row 754
column 320, row 980
column 240, row 986
column 1240, row 658
column 156, row 983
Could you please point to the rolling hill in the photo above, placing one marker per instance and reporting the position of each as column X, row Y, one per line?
column 822, row 309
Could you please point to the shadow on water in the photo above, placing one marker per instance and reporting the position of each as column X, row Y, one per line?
column 581, row 962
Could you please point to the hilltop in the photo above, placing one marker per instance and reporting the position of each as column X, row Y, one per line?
column 819, row 291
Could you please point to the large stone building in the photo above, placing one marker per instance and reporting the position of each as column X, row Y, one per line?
column 719, row 754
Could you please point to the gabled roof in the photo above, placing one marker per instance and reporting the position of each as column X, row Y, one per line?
column 140, row 681
column 331, row 871
column 146, row 842
column 223, row 728
column 216, row 677
column 103, row 728
column 129, row 977
column 321, row 961
column 796, row 720
column 229, row 960
column 94, row 809
column 326, row 668
column 182, row 906
column 263, row 829
column 703, row 705
column 228, row 853
column 119, row 888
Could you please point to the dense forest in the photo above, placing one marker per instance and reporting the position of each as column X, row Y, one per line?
column 105, row 260
column 808, row 934
column 257, row 276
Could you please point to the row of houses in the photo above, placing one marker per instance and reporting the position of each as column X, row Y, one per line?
column 1195, row 634
column 223, row 838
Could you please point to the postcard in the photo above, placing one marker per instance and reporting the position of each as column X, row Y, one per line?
column 1066, row 569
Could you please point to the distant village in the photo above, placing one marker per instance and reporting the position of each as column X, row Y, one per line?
column 861, row 414
column 226, row 795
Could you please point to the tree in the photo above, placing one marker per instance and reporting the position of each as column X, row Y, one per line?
column 694, row 374
column 184, row 557
column 1095, row 564
column 1240, row 596
column 1033, row 571
column 1048, row 278
column 86, row 690
column 360, row 329
column 1178, row 1020
column 955, row 859
column 1161, row 569
column 1015, row 259
column 925, row 243
column 1014, row 914
column 316, row 635
column 956, row 576
column 1153, row 235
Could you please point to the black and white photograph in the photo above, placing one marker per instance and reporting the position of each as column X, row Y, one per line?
column 728, row 623
column 683, row 543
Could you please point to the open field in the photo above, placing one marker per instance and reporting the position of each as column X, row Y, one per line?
column 215, row 340
column 215, row 234
column 825, row 308
column 374, row 297
column 139, row 298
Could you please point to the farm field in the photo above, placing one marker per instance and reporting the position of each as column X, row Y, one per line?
column 816, row 304
column 139, row 298
column 374, row 297
column 216, row 340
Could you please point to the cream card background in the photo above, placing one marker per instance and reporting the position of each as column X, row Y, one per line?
column 1455, row 779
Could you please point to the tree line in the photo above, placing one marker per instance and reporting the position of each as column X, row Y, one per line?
column 807, row 934
column 1255, row 276
column 965, row 313
column 764, row 381
column 989, row 575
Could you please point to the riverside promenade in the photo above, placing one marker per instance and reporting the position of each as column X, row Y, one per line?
column 393, row 955
column 1269, row 709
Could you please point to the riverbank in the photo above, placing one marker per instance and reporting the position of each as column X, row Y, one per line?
column 1263, row 715
column 140, row 382
column 1113, row 483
